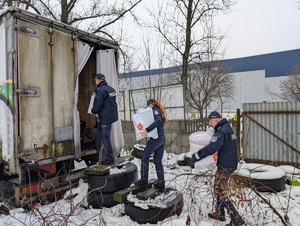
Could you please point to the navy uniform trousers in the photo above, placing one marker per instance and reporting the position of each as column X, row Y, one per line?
column 155, row 146
column 103, row 135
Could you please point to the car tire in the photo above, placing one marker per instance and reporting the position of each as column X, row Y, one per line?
column 270, row 185
column 154, row 214
column 266, row 178
column 114, row 182
column 98, row 199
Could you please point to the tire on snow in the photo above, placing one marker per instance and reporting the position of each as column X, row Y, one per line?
column 266, row 178
column 270, row 185
column 114, row 182
column 98, row 199
column 154, row 214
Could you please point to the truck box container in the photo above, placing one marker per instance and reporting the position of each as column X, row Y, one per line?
column 47, row 72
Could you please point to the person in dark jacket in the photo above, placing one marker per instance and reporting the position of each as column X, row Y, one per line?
column 224, row 142
column 105, row 106
column 156, row 146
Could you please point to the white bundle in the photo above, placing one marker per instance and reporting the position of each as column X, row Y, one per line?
column 141, row 120
column 202, row 137
column 91, row 103
column 199, row 140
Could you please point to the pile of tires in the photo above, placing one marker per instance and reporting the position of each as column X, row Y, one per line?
column 154, row 214
column 266, row 178
column 101, row 188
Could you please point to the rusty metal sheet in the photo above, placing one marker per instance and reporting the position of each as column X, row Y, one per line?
column 271, row 132
column 47, row 62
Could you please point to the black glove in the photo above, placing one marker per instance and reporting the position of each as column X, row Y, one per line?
column 189, row 162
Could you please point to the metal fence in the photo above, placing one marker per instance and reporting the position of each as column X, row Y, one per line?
column 271, row 133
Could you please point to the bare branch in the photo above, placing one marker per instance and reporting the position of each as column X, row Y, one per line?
column 289, row 87
column 186, row 26
column 118, row 17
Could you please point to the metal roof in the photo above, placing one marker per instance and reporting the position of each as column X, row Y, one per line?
column 27, row 15
column 275, row 64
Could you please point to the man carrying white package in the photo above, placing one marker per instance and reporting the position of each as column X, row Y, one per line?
column 223, row 141
column 198, row 141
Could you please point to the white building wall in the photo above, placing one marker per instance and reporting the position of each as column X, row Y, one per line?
column 251, row 87
column 170, row 96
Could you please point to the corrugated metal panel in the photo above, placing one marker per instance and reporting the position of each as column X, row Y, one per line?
column 271, row 132
column 50, row 69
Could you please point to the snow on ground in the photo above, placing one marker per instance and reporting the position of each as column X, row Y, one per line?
column 196, row 186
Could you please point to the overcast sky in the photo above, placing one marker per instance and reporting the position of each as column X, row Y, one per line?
column 257, row 27
column 262, row 26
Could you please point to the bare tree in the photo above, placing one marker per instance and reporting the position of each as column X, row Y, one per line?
column 209, row 83
column 290, row 87
column 94, row 16
column 180, row 24
column 153, row 84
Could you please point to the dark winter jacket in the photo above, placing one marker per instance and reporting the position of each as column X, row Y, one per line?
column 105, row 104
column 158, row 121
column 223, row 141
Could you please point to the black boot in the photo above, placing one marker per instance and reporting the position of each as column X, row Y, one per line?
column 141, row 184
column 217, row 216
column 236, row 222
column 160, row 187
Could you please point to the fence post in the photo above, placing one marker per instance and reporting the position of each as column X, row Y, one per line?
column 238, row 132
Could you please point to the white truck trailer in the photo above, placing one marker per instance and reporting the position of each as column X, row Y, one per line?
column 47, row 71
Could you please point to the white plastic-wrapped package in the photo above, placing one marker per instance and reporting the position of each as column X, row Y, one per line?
column 194, row 148
column 142, row 119
column 91, row 103
column 202, row 137
column 209, row 162
column 199, row 140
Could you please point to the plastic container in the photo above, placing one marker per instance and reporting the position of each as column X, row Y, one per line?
column 141, row 120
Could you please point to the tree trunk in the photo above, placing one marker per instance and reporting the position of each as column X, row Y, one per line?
column 64, row 11
column 185, row 58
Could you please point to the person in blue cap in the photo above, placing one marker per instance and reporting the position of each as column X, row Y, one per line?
column 154, row 146
column 105, row 106
column 223, row 141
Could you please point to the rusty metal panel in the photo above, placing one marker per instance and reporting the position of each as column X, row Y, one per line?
column 271, row 132
column 63, row 63
column 34, row 71
column 46, row 81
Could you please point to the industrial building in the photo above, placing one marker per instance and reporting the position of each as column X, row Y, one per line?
column 254, row 77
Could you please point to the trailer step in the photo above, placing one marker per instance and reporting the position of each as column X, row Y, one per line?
column 121, row 196
column 104, row 169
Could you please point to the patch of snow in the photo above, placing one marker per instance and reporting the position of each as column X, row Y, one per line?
column 260, row 171
column 290, row 169
column 116, row 170
column 196, row 187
